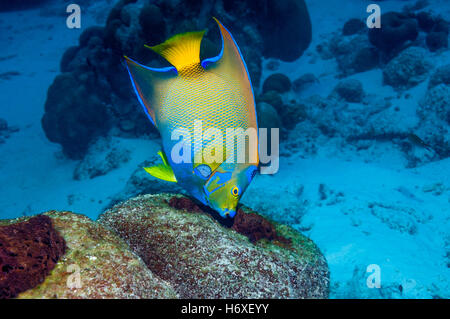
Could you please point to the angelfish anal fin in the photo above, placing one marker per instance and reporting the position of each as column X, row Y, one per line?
column 162, row 171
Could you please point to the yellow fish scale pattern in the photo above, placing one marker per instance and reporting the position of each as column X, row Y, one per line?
column 199, row 94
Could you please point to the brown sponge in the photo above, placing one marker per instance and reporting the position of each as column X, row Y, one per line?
column 28, row 252
column 255, row 227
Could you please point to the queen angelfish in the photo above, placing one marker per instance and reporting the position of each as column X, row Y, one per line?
column 216, row 91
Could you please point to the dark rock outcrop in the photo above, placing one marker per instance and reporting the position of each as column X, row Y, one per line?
column 277, row 82
column 75, row 113
column 286, row 23
column 396, row 29
column 425, row 20
column 353, row 26
column 437, row 40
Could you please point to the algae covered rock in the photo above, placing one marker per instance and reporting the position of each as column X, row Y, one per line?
column 350, row 90
column 408, row 69
column 96, row 264
column 201, row 258
column 353, row 54
column 434, row 114
column 104, row 155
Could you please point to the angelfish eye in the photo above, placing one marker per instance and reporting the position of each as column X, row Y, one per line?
column 235, row 191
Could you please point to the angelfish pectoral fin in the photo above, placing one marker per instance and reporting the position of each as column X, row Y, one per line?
column 162, row 171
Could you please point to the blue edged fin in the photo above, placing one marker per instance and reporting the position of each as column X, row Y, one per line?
column 149, row 84
column 162, row 171
column 230, row 64
column 229, row 60
column 181, row 50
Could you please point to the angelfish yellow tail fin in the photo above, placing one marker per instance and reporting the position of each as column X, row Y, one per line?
column 181, row 50
column 162, row 171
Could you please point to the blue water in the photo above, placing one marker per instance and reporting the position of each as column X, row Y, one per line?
column 364, row 118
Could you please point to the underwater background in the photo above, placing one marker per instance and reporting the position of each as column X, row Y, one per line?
column 363, row 113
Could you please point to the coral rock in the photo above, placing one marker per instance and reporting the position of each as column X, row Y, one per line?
column 74, row 115
column 350, row 90
column 441, row 76
column 292, row 114
column 288, row 40
column 408, row 69
column 434, row 113
column 20, row 4
column 397, row 28
column 437, row 40
column 365, row 59
column 273, row 98
column 267, row 116
column 203, row 259
column 353, row 26
column 441, row 25
column 152, row 24
column 353, row 54
column 304, row 81
column 277, row 82
column 425, row 20
column 103, row 156
column 140, row 182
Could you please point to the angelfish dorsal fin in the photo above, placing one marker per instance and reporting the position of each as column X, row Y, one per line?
column 181, row 50
column 162, row 171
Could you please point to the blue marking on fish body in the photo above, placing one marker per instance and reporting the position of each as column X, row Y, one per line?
column 251, row 172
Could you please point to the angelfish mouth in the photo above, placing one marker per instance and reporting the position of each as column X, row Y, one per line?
column 229, row 213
